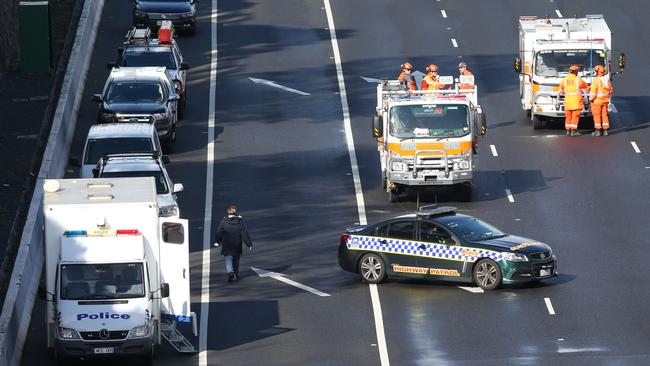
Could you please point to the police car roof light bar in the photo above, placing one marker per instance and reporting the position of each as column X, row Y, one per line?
column 434, row 210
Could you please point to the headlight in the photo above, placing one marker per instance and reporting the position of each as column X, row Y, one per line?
column 464, row 164
column 399, row 166
column 67, row 333
column 140, row 14
column 514, row 257
column 159, row 115
column 167, row 211
column 139, row 332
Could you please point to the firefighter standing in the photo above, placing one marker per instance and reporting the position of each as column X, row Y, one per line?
column 571, row 87
column 462, row 69
column 406, row 74
column 601, row 92
column 432, row 80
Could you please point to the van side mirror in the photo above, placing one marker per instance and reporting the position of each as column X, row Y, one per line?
column 178, row 187
column 164, row 290
column 75, row 161
column 97, row 98
column 42, row 293
column 165, row 159
column 621, row 61
column 377, row 126
column 95, row 172
column 482, row 123
column 120, row 52
column 517, row 65
column 110, row 65
column 185, row 66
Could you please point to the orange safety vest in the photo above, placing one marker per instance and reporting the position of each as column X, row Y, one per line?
column 572, row 87
column 466, row 85
column 431, row 83
column 601, row 89
column 412, row 83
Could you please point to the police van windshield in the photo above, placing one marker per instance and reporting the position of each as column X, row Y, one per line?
column 161, row 183
column 555, row 63
column 102, row 281
column 97, row 147
column 429, row 120
column 471, row 228
column 161, row 58
column 130, row 92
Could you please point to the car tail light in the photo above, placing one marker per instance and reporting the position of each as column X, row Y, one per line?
column 344, row 238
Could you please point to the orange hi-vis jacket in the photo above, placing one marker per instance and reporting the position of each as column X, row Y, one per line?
column 431, row 83
column 466, row 85
column 412, row 83
column 601, row 90
column 572, row 86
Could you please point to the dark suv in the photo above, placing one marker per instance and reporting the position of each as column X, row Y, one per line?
column 147, row 13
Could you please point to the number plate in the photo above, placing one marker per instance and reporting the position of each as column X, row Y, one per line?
column 544, row 272
column 104, row 350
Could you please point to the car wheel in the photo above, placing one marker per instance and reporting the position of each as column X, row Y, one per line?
column 372, row 268
column 487, row 274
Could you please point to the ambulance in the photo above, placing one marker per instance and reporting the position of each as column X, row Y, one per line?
column 116, row 274
column 427, row 138
column 547, row 47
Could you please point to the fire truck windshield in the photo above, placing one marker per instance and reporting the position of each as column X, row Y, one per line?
column 555, row 63
column 429, row 120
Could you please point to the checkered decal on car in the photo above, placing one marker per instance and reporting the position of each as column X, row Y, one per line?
column 450, row 252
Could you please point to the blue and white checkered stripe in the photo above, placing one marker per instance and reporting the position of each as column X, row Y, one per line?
column 397, row 246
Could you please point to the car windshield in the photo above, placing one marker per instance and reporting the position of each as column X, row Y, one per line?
column 555, row 63
column 161, row 58
column 428, row 120
column 102, row 281
column 115, row 145
column 158, row 176
column 472, row 229
column 129, row 92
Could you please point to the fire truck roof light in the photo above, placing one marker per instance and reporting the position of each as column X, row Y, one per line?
column 128, row 232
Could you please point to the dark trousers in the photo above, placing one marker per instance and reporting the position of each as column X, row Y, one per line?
column 232, row 263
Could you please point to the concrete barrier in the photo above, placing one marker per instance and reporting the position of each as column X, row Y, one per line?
column 21, row 293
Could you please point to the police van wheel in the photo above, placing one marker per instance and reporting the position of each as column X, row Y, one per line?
column 60, row 360
column 372, row 268
column 487, row 274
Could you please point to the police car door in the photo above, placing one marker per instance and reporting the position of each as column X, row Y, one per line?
column 175, row 269
column 441, row 252
column 401, row 249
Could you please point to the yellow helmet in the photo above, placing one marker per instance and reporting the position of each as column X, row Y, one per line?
column 432, row 67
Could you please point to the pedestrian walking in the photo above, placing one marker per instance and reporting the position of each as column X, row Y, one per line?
column 571, row 87
column 599, row 96
column 231, row 234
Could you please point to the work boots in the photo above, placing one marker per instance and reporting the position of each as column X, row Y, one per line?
column 605, row 133
column 596, row 132
column 575, row 133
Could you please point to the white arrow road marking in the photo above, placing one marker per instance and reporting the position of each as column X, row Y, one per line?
column 474, row 290
column 280, row 277
column 276, row 85
column 371, row 80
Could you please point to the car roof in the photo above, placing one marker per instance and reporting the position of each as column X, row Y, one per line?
column 107, row 130
column 138, row 73
column 130, row 163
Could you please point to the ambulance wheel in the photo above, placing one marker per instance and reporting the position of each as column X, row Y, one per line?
column 372, row 268
column 538, row 123
column 487, row 274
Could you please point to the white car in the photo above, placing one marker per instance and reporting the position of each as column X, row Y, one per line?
column 116, row 138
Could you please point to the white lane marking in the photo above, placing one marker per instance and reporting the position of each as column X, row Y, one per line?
column 361, row 208
column 474, row 290
column 549, row 306
column 370, row 80
column 559, row 15
column 635, row 147
column 207, row 220
column 453, row 41
column 510, row 197
column 494, row 150
column 276, row 85
column 444, row 13
column 280, row 277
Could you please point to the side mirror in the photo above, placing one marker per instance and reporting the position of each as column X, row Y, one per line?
column 517, row 65
column 178, row 187
column 164, row 290
column 621, row 61
column 95, row 172
column 165, row 159
column 97, row 98
column 377, row 126
column 42, row 293
column 110, row 65
column 75, row 161
column 482, row 123
column 120, row 52
column 185, row 66
column 174, row 98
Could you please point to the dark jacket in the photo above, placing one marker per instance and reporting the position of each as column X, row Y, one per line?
column 231, row 233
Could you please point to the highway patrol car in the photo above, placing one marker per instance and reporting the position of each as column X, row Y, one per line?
column 438, row 243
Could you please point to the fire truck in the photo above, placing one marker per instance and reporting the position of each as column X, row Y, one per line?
column 547, row 47
column 427, row 138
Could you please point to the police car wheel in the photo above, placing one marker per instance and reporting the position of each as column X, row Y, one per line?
column 372, row 268
column 487, row 274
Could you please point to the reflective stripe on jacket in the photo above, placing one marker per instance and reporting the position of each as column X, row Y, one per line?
column 601, row 89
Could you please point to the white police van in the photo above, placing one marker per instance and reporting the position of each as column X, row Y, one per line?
column 117, row 275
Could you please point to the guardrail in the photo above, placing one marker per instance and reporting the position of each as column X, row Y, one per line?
column 25, row 277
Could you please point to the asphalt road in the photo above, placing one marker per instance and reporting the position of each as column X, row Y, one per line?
column 282, row 157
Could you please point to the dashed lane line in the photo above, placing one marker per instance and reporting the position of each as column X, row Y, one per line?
column 494, row 150
column 454, row 42
column 549, row 306
column 635, row 147
column 444, row 13
column 559, row 15
column 511, row 198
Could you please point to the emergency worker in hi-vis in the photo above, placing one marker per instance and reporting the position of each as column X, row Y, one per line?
column 601, row 92
column 571, row 87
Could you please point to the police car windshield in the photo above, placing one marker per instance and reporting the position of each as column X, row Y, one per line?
column 555, row 63
column 428, row 121
column 114, row 145
column 472, row 229
column 158, row 176
column 130, row 92
column 101, row 281
column 163, row 57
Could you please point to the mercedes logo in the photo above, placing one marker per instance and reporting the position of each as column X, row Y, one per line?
column 104, row 334
column 542, row 256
